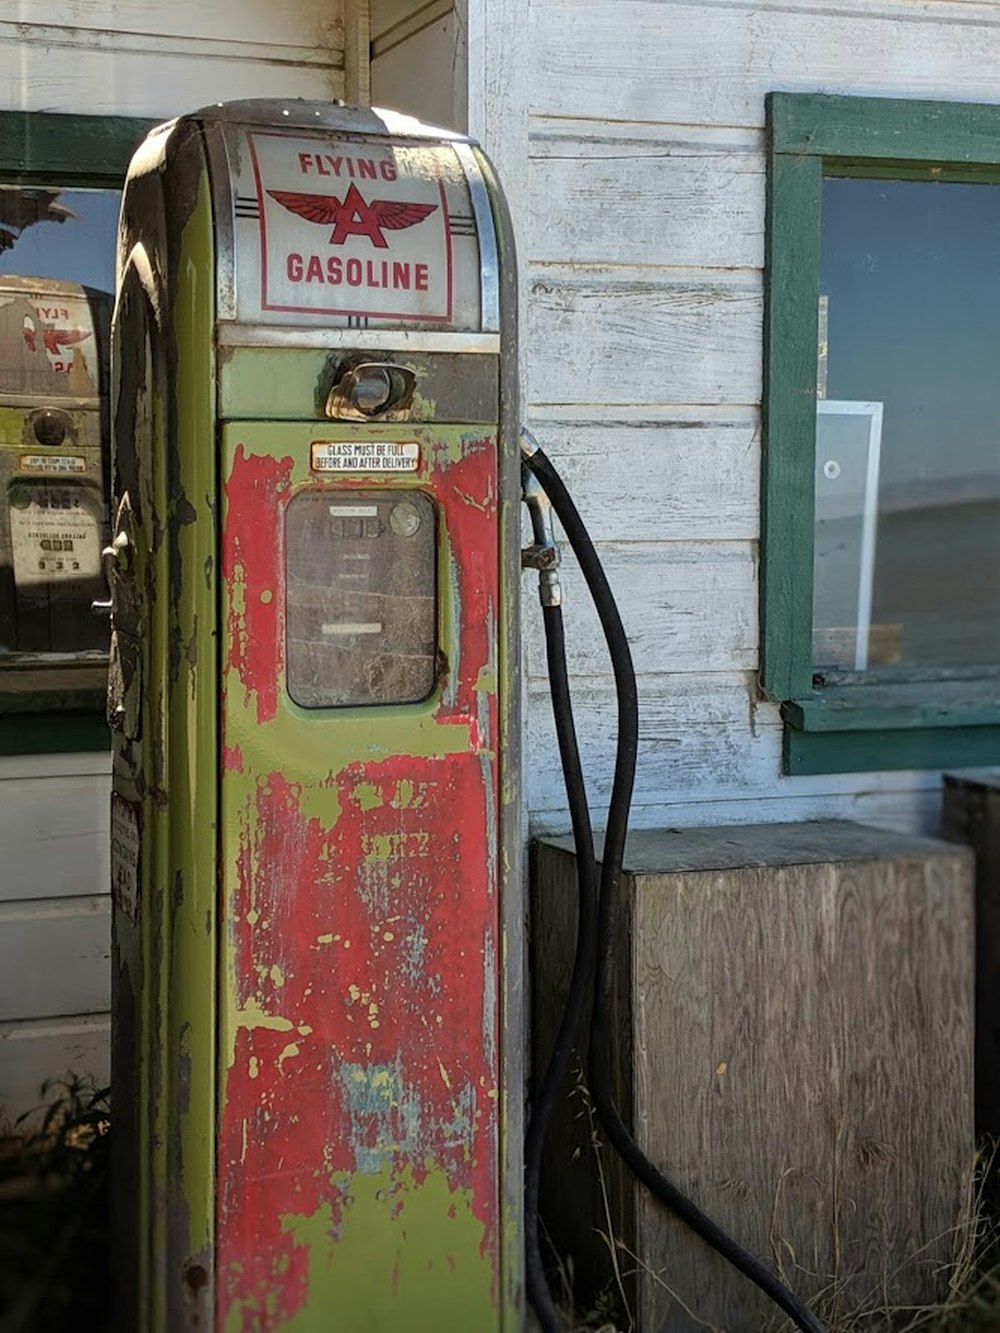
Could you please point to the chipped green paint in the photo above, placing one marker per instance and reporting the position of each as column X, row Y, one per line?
column 486, row 681
column 163, row 766
column 407, row 795
column 193, row 724
column 249, row 1017
column 339, row 1278
column 367, row 796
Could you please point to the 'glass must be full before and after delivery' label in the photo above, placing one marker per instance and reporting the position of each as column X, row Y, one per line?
column 53, row 463
column 363, row 456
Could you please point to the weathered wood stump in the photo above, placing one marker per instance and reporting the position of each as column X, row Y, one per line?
column 794, row 1050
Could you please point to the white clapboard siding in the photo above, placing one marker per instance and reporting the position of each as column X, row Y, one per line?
column 635, row 194
column 711, row 64
column 53, row 836
column 685, row 607
column 54, row 922
column 496, row 47
column 416, row 65
column 907, row 801
column 74, row 934
column 304, row 23
column 391, row 19
column 34, row 1051
column 599, row 334
column 418, row 76
column 680, row 751
column 155, row 82
column 701, row 739
column 684, row 475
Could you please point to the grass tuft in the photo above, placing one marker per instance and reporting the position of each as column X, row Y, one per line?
column 969, row 1282
column 54, row 1234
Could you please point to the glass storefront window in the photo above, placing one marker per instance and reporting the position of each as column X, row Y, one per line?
column 57, row 252
column 907, row 486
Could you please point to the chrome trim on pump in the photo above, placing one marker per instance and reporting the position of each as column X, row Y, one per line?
column 221, row 175
column 488, row 258
column 232, row 334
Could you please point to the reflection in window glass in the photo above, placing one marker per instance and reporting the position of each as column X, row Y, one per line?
column 65, row 234
column 848, row 439
column 909, row 441
column 57, row 254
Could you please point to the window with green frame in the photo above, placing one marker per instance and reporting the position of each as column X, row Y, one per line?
column 60, row 184
column 880, row 542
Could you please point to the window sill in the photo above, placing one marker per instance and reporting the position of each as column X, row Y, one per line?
column 863, row 728
column 903, row 707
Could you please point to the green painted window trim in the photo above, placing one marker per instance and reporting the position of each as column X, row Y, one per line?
column 924, row 724
column 49, row 148
column 46, row 148
column 54, row 733
column 806, row 753
column 903, row 707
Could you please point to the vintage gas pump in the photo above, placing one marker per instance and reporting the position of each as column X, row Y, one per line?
column 316, row 857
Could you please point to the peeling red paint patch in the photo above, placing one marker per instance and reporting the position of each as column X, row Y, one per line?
column 371, row 938
column 363, row 956
column 473, row 511
column 252, row 556
column 232, row 759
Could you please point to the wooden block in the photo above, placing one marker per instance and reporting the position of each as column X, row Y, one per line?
column 794, row 1046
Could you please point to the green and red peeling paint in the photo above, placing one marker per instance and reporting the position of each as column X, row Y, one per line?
column 361, row 1090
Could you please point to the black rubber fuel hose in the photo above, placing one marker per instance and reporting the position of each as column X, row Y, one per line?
column 581, row 981
column 599, row 1052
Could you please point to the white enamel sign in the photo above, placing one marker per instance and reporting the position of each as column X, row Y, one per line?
column 351, row 231
column 56, row 464
column 360, row 231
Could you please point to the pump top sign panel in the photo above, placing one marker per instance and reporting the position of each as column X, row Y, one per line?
column 48, row 339
column 361, row 232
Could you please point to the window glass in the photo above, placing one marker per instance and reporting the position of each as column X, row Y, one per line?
column 361, row 601
column 57, row 255
column 907, row 558
column 66, row 234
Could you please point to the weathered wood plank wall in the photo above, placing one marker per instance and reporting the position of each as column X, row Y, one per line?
column 155, row 58
column 417, row 60
column 54, row 922
column 643, row 252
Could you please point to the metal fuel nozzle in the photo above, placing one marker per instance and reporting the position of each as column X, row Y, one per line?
column 543, row 553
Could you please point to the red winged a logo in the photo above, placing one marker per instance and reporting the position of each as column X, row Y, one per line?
column 351, row 216
column 53, row 339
